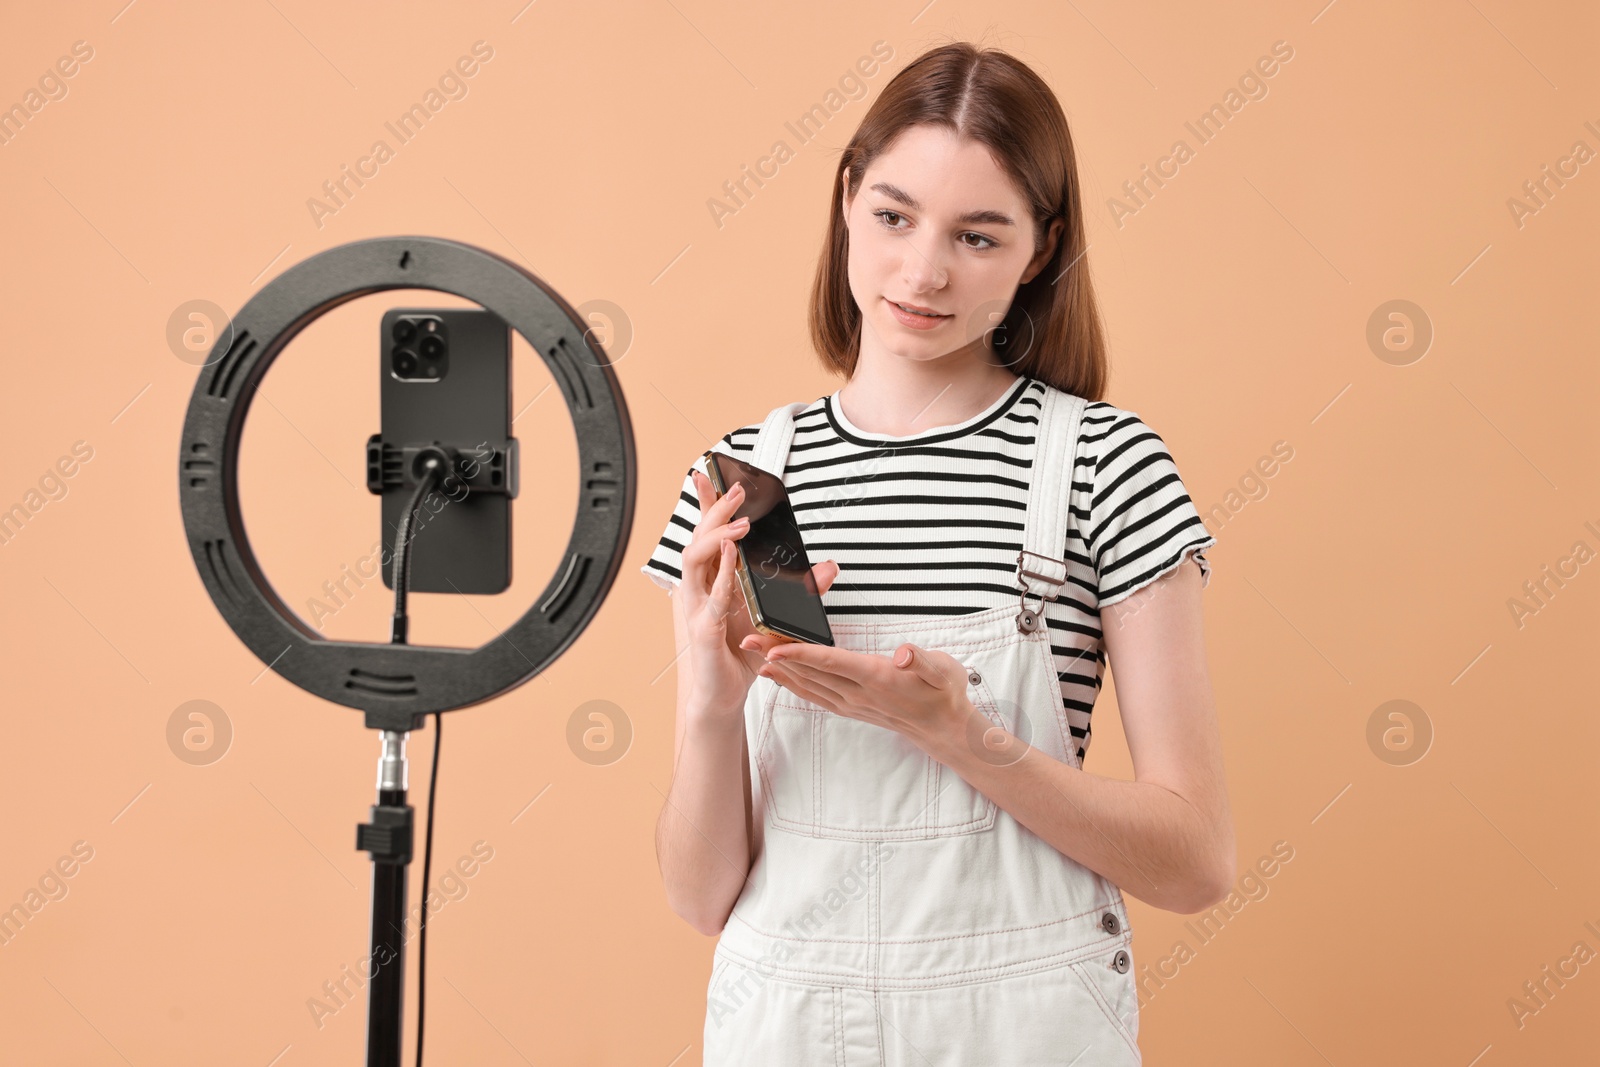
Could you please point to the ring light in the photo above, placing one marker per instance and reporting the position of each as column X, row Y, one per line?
column 396, row 685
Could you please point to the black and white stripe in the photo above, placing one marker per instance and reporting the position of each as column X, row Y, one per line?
column 931, row 523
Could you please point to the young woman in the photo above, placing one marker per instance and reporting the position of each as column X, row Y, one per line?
column 895, row 836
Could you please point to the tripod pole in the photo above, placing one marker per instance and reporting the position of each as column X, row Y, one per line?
column 388, row 838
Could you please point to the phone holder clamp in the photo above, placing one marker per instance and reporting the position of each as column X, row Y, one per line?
column 468, row 468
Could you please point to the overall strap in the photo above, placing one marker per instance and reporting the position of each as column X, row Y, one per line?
column 772, row 443
column 1041, row 565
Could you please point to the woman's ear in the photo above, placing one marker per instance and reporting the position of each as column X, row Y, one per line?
column 844, row 191
column 1036, row 264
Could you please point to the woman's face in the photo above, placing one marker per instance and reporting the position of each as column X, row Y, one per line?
column 938, row 225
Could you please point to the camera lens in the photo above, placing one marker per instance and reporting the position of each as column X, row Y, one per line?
column 404, row 331
column 405, row 362
column 430, row 371
column 432, row 347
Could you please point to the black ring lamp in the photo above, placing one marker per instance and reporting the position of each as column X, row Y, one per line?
column 397, row 685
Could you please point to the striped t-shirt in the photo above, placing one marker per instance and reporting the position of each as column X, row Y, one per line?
column 931, row 523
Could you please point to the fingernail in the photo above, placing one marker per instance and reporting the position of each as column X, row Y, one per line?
column 742, row 522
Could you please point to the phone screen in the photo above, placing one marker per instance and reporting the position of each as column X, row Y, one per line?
column 782, row 592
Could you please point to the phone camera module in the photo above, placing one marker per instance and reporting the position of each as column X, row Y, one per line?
column 421, row 350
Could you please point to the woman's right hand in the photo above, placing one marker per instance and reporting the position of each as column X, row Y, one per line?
column 715, row 609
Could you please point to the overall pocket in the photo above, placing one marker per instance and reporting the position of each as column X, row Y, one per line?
column 1109, row 977
column 831, row 776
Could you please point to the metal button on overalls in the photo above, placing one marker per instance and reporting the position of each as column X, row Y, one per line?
column 894, row 915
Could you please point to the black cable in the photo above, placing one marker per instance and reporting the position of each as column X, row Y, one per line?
column 432, row 468
column 427, row 865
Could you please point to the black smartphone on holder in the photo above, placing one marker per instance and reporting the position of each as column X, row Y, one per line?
column 445, row 378
column 774, row 570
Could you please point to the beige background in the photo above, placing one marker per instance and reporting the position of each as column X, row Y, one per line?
column 1378, row 564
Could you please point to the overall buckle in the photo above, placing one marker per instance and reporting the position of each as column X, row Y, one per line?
column 1028, row 619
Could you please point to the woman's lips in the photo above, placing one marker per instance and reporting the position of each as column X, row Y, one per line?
column 915, row 322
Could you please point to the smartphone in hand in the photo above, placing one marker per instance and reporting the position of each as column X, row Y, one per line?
column 774, row 570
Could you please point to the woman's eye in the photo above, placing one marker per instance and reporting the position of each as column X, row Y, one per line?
column 884, row 217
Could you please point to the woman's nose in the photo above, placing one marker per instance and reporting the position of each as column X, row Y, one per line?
column 919, row 269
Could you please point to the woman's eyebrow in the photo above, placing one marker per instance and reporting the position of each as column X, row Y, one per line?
column 894, row 192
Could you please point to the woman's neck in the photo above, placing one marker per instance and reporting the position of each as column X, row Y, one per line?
column 897, row 397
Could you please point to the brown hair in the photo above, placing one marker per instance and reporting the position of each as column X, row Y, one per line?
column 998, row 101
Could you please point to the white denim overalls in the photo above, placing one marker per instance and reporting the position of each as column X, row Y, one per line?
column 894, row 915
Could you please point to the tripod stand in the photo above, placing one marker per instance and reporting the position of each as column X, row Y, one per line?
column 388, row 837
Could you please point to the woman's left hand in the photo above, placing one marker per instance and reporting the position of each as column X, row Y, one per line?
column 918, row 692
